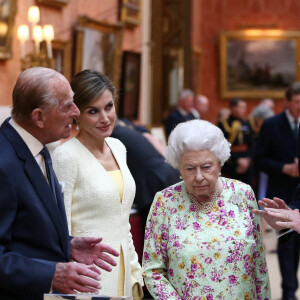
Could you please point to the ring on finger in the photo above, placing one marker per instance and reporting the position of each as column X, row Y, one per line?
column 286, row 217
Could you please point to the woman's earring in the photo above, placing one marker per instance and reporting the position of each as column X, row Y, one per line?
column 220, row 174
column 77, row 125
column 180, row 177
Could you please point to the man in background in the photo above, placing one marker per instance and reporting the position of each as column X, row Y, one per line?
column 237, row 131
column 182, row 112
column 276, row 155
column 35, row 246
column 201, row 106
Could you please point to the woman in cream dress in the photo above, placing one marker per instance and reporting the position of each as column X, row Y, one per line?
column 98, row 186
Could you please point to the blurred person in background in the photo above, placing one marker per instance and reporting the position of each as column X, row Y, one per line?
column 260, row 180
column 268, row 103
column 276, row 155
column 201, row 106
column 182, row 112
column 238, row 132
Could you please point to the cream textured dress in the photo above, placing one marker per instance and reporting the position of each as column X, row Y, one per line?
column 93, row 206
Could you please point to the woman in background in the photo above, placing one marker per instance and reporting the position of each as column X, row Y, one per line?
column 98, row 186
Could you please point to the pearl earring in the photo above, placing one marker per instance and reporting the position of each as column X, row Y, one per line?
column 77, row 126
column 180, row 177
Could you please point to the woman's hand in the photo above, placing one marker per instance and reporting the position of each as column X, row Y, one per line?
column 285, row 218
column 275, row 204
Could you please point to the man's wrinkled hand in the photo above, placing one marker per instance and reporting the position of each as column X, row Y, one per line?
column 90, row 250
column 70, row 278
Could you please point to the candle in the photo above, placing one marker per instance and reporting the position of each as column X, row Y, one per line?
column 48, row 34
column 23, row 35
column 37, row 37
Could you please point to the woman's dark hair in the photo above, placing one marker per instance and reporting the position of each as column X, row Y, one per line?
column 88, row 85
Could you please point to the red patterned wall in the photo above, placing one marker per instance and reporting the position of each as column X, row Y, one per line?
column 210, row 17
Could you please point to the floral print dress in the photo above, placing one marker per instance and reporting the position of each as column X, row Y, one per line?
column 204, row 256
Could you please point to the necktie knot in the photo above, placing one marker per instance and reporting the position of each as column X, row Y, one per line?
column 45, row 153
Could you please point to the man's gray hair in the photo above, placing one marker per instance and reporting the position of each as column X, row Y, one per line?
column 262, row 112
column 185, row 93
column 196, row 135
column 34, row 89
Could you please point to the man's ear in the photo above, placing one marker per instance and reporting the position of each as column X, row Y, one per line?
column 37, row 116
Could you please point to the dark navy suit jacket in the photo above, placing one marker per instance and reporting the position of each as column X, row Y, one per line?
column 277, row 146
column 148, row 167
column 33, row 227
column 174, row 118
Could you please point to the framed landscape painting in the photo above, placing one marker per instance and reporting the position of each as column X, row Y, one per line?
column 258, row 63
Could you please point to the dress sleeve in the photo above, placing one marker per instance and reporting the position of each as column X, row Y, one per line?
column 155, row 258
column 65, row 168
column 261, row 270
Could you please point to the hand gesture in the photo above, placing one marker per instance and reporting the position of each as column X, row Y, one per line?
column 285, row 218
column 71, row 277
column 291, row 169
column 90, row 250
column 276, row 204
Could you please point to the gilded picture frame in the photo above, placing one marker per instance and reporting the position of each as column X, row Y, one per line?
column 99, row 47
column 258, row 63
column 130, row 85
column 130, row 12
column 8, row 10
column 55, row 3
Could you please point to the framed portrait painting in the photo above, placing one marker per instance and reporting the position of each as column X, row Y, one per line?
column 99, row 47
column 8, row 9
column 258, row 63
column 130, row 86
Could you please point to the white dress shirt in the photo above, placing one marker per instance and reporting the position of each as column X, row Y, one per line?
column 34, row 145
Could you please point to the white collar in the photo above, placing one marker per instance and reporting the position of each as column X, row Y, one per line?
column 182, row 111
column 34, row 145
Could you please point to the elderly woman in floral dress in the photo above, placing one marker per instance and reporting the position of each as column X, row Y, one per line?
column 202, row 240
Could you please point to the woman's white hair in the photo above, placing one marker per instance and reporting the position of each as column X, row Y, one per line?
column 196, row 135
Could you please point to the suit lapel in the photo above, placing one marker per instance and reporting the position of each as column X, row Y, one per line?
column 288, row 132
column 39, row 182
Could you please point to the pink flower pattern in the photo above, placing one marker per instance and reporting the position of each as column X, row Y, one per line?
column 215, row 256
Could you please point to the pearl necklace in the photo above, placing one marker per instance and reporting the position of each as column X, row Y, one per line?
column 205, row 207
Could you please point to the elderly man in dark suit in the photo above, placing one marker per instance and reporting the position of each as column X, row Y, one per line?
column 35, row 246
column 182, row 112
column 276, row 155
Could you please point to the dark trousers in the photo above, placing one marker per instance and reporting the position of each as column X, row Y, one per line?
column 288, row 255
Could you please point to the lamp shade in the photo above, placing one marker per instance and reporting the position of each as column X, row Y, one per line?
column 33, row 14
column 37, row 33
column 48, row 32
column 3, row 29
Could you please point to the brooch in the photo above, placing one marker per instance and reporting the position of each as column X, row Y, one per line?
column 237, row 200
